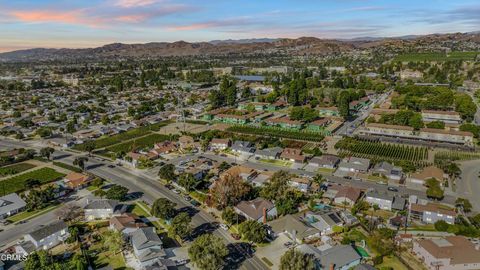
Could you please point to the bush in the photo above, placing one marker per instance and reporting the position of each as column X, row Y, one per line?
column 377, row 260
column 441, row 226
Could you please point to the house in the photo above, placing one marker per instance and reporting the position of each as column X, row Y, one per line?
column 219, row 144
column 382, row 200
column 399, row 203
column 427, row 173
column 147, row 246
column 319, row 125
column 300, row 183
column 11, row 204
column 186, row 142
column 451, row 252
column 347, row 196
column 325, row 161
column 293, row 154
column 284, row 122
column 258, row 209
column 136, row 158
column 49, row 235
column 448, row 117
column 294, row 228
column 340, row 257
column 77, row 181
column 261, row 178
column 243, row 147
column 389, row 171
column 103, row 209
column 324, row 222
column 431, row 213
column 246, row 173
column 268, row 153
column 126, row 223
column 354, row 164
column 165, row 147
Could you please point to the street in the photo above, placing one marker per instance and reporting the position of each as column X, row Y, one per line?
column 468, row 187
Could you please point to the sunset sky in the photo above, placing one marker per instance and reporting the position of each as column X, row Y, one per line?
column 89, row 23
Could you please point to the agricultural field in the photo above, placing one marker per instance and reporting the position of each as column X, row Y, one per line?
column 438, row 57
column 277, row 133
column 17, row 183
column 125, row 136
column 16, row 168
column 140, row 143
column 389, row 151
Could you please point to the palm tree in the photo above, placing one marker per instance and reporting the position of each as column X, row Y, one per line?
column 80, row 162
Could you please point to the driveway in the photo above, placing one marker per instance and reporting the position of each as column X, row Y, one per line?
column 468, row 186
column 274, row 250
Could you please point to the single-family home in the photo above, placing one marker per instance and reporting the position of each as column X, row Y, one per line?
column 103, row 209
column 77, row 181
column 219, row 144
column 165, row 147
column 11, row 204
column 246, row 173
column 389, row 171
column 258, row 209
column 354, row 164
column 48, row 235
column 268, row 153
column 431, row 213
column 147, row 246
column 243, row 147
column 339, row 257
column 325, row 161
column 324, row 221
column 293, row 154
column 426, row 173
column 126, row 223
column 295, row 229
column 451, row 252
column 382, row 200
column 300, row 183
column 347, row 196
column 186, row 142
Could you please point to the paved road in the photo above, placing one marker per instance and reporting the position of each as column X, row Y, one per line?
column 468, row 186
column 135, row 181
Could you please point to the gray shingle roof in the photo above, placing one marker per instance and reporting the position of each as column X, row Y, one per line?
column 102, row 204
column 145, row 237
column 11, row 202
column 48, row 230
column 339, row 256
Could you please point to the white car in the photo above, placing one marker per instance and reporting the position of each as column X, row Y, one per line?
column 223, row 226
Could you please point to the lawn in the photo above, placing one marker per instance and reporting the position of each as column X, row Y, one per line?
column 426, row 227
column 29, row 215
column 139, row 211
column 377, row 179
column 277, row 162
column 17, row 183
column 392, row 262
column 15, row 168
column 67, row 166
column 325, row 170
column 104, row 258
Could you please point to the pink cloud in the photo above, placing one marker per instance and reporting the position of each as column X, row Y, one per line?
column 213, row 24
column 67, row 17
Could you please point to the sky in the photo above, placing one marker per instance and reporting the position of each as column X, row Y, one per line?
column 90, row 23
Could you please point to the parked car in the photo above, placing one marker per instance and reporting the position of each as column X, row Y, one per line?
column 224, row 226
column 394, row 189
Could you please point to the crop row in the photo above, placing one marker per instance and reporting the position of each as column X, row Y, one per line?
column 278, row 133
column 17, row 183
column 140, row 143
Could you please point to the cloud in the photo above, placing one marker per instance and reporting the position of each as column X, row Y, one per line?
column 134, row 3
column 240, row 22
column 47, row 16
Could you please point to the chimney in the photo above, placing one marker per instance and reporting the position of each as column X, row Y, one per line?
column 332, row 266
column 264, row 215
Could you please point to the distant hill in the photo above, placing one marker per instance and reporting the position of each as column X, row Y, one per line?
column 299, row 46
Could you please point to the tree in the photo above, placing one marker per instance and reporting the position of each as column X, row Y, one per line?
column 113, row 241
column 180, row 225
column 253, row 231
column 69, row 212
column 277, row 186
column 296, row 260
column 89, row 146
column 228, row 191
column 434, row 190
column 464, row 203
column 188, row 182
column 208, row 252
column 117, row 192
column 230, row 216
column 436, row 124
column 80, row 162
column 163, row 208
column 167, row 172
column 344, row 104
column 46, row 152
column 99, row 193
column 441, row 226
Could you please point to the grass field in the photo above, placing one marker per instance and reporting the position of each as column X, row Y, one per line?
column 277, row 162
column 17, row 183
column 140, row 143
column 15, row 168
column 392, row 262
column 68, row 167
column 437, row 57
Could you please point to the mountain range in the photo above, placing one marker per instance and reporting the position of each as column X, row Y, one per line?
column 299, row 46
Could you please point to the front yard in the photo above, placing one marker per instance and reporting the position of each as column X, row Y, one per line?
column 277, row 162
column 29, row 215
